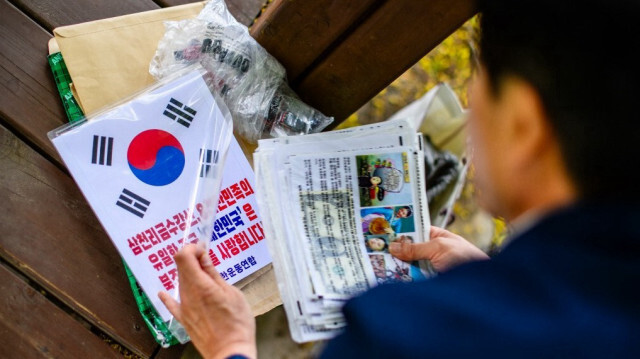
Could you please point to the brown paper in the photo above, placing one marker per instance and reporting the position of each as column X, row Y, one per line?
column 108, row 60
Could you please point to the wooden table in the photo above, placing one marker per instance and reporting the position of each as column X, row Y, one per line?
column 63, row 289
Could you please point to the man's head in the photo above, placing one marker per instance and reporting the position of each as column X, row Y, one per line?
column 553, row 108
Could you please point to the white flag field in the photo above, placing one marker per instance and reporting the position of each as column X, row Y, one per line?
column 153, row 170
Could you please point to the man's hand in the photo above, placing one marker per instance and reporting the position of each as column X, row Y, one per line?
column 216, row 315
column 445, row 250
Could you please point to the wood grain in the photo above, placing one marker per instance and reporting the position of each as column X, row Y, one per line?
column 386, row 44
column 176, row 351
column 243, row 10
column 32, row 327
column 30, row 103
column 338, row 53
column 52, row 14
column 298, row 32
column 50, row 234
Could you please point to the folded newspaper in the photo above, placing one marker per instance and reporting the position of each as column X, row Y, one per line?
column 332, row 203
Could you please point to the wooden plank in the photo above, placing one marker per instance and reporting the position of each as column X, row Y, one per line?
column 176, row 351
column 391, row 40
column 32, row 327
column 243, row 10
column 50, row 234
column 52, row 14
column 297, row 32
column 30, row 103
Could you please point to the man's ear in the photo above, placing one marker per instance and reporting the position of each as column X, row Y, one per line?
column 527, row 129
column 533, row 161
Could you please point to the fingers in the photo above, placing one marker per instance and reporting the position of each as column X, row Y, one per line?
column 172, row 305
column 189, row 261
column 205, row 261
column 418, row 251
column 437, row 232
column 192, row 260
column 412, row 251
column 207, row 265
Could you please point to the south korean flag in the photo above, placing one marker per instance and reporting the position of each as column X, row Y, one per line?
column 140, row 166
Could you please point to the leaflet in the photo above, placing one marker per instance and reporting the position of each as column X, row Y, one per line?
column 153, row 170
column 353, row 206
column 333, row 203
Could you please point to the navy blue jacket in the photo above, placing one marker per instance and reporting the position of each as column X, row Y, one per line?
column 567, row 288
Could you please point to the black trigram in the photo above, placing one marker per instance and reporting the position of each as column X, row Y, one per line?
column 133, row 203
column 180, row 113
column 208, row 158
column 102, row 150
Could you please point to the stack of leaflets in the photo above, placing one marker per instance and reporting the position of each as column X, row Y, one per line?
column 332, row 204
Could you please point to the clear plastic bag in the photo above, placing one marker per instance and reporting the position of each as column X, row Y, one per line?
column 442, row 169
column 440, row 117
column 251, row 81
column 151, row 168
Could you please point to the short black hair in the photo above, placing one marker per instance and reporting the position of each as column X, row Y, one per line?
column 581, row 58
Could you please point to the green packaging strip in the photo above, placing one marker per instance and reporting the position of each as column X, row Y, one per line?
column 154, row 322
column 63, row 81
column 152, row 319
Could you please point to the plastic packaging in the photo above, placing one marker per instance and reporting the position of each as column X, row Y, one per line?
column 251, row 81
column 442, row 169
column 440, row 117
column 63, row 83
column 151, row 168
column 152, row 319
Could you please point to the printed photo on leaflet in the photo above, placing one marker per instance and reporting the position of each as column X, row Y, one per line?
column 353, row 207
column 349, row 195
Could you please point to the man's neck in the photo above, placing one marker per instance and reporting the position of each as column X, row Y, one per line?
column 529, row 218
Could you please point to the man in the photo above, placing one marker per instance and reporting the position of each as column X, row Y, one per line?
column 555, row 131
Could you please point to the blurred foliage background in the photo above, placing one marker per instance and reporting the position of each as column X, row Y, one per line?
column 452, row 62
